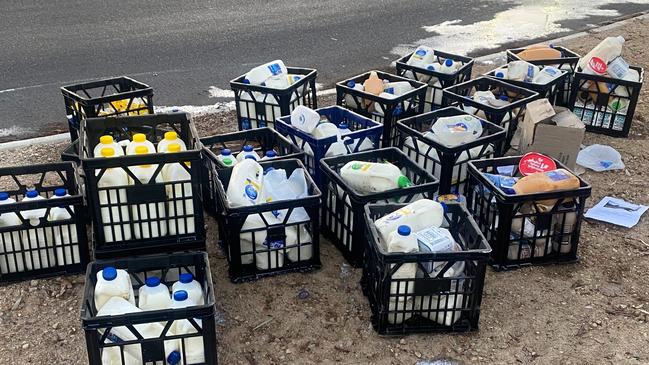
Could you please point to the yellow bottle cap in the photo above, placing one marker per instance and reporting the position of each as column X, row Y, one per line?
column 170, row 136
column 141, row 150
column 139, row 137
column 174, row 147
column 107, row 152
column 106, row 139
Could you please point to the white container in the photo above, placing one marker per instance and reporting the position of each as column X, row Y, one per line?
column 449, row 67
column 305, row 119
column 180, row 201
column 343, row 129
column 191, row 349
column 456, row 130
column 247, row 150
column 606, row 51
column 399, row 87
column 245, row 183
column 65, row 235
column 378, row 109
column 325, row 130
column 305, row 251
column 269, row 155
column 170, row 138
column 193, row 288
column 270, row 73
column 139, row 139
column 154, row 295
column 116, row 217
column 372, row 177
column 153, row 215
column 522, row 71
column 113, row 356
column 618, row 68
column 254, row 222
column 226, row 157
column 113, row 282
column 107, row 142
column 37, row 239
column 402, row 241
column 13, row 262
column 422, row 56
column 349, row 100
column 546, row 75
column 619, row 99
column 417, row 215
column 247, row 107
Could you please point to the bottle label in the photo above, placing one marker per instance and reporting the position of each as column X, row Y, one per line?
column 535, row 162
column 395, row 216
column 530, row 74
column 457, row 127
column 557, row 175
column 361, row 166
column 250, row 190
column 598, row 65
column 275, row 69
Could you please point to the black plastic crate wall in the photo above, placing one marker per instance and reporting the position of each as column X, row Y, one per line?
column 440, row 292
column 147, row 337
column 343, row 221
column 436, row 81
column 383, row 110
column 529, row 228
column 604, row 104
column 144, row 216
column 119, row 96
column 259, row 106
column 42, row 237
column 365, row 135
column 506, row 116
column 445, row 163
column 567, row 62
column 551, row 90
column 256, row 244
column 261, row 139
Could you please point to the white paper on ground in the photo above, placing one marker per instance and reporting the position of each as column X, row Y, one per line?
column 616, row 211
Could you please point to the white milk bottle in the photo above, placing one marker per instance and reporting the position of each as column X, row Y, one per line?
column 150, row 217
column 65, row 235
column 546, row 75
column 247, row 150
column 179, row 195
column 39, row 240
column 456, row 130
column 113, row 356
column 269, row 155
column 272, row 74
column 112, row 282
column 417, row 215
column 343, row 129
column 305, row 119
column 10, row 240
column 399, row 87
column 372, row 177
column 170, row 138
column 606, row 51
column 349, row 100
column 305, row 250
column 115, row 214
column 107, row 141
column 256, row 237
column 154, row 295
column 193, row 288
column 422, row 56
column 245, row 183
column 191, row 348
column 247, row 107
column 402, row 241
column 449, row 67
column 226, row 158
column 139, row 139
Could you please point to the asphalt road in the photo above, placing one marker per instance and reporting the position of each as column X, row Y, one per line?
column 181, row 48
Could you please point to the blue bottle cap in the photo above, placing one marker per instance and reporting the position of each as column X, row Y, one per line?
column 389, row 90
column 60, row 192
column 403, row 230
column 500, row 75
column 180, row 295
column 343, row 125
column 246, row 81
column 186, row 277
column 251, row 157
column 271, row 153
column 4, row 196
column 31, row 193
column 351, row 83
column 448, row 62
column 430, row 68
column 152, row 282
column 503, row 98
column 226, row 152
column 268, row 170
column 247, row 148
column 173, row 358
column 109, row 273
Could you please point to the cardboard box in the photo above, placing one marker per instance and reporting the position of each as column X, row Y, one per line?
column 553, row 131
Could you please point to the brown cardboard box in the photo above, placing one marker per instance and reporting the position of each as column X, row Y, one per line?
column 553, row 131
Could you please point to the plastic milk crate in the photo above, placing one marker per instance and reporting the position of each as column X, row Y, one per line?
column 365, row 135
column 259, row 106
column 343, row 221
column 144, row 216
column 45, row 237
column 506, row 116
column 261, row 139
column 604, row 104
column 119, row 96
column 441, row 292
column 128, row 336
column 525, row 229
column 567, row 62
column 551, row 90
column 256, row 246
column 386, row 111
column 447, row 163
column 436, row 81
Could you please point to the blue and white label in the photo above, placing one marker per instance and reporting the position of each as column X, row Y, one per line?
column 557, row 175
column 275, row 69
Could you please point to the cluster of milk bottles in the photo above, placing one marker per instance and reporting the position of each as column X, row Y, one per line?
column 125, row 221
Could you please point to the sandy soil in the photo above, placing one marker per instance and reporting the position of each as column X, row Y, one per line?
column 593, row 312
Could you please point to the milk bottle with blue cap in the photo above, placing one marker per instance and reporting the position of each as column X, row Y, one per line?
column 115, row 214
column 417, row 215
column 150, row 216
column 350, row 102
column 190, row 349
column 421, row 57
column 273, row 74
column 449, row 67
column 112, row 282
column 11, row 239
column 247, row 150
column 65, row 235
column 269, row 155
column 305, row 119
column 154, row 295
column 179, row 195
column 39, row 240
column 226, row 158
column 193, row 288
column 402, row 241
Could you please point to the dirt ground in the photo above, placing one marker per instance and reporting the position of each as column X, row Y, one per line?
column 593, row 312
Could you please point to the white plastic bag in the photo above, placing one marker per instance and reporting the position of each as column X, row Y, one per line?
column 600, row 158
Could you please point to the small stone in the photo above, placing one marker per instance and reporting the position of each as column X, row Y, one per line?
column 288, row 351
column 33, row 283
column 402, row 341
column 311, row 346
column 303, row 294
column 418, row 354
column 25, row 346
column 55, row 325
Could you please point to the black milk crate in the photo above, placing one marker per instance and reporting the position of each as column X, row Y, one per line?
column 144, row 216
column 118, row 96
column 121, row 334
column 365, row 135
column 34, row 242
column 259, row 106
column 552, row 90
column 364, row 103
column 71, row 153
column 506, row 116
column 434, row 94
column 250, row 261
column 343, row 221
column 447, row 164
column 526, row 229
column 568, row 62
column 261, row 139
column 592, row 96
column 447, row 299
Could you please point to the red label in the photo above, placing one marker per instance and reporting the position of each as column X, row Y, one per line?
column 598, row 65
column 535, row 162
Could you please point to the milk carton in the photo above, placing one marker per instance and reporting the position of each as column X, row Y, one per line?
column 115, row 214
column 418, row 215
column 191, row 349
column 179, row 195
column 154, row 295
column 404, row 242
column 113, row 282
column 272, row 74
column 39, row 240
column 65, row 235
column 171, row 137
column 247, row 150
column 422, row 56
column 107, row 141
column 456, row 130
column 245, row 183
column 151, row 215
column 226, row 158
column 269, row 155
column 305, row 119
column 193, row 288
column 11, row 241
column 372, row 177
column 139, row 139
